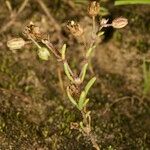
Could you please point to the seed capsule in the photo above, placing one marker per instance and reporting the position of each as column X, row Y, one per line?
column 43, row 53
column 75, row 28
column 93, row 8
column 16, row 43
column 119, row 22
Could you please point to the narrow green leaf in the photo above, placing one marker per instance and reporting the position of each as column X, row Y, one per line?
column 89, row 85
column 146, row 75
column 83, row 72
column 81, row 100
column 89, row 51
column 63, row 52
column 81, row 125
column 85, row 103
column 128, row 2
column 100, row 33
column 68, row 72
column 71, row 98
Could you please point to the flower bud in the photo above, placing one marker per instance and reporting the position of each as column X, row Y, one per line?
column 93, row 8
column 119, row 22
column 16, row 43
column 75, row 28
column 43, row 53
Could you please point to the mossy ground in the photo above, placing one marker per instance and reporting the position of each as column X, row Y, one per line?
column 34, row 111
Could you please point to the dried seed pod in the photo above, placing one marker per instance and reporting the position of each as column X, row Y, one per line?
column 33, row 31
column 93, row 8
column 75, row 28
column 119, row 22
column 16, row 43
column 74, row 89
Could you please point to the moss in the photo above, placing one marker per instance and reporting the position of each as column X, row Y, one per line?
column 142, row 46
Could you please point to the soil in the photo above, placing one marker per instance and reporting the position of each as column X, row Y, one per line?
column 35, row 113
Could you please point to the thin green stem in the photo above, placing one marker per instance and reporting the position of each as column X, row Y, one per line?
column 34, row 42
column 93, row 28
